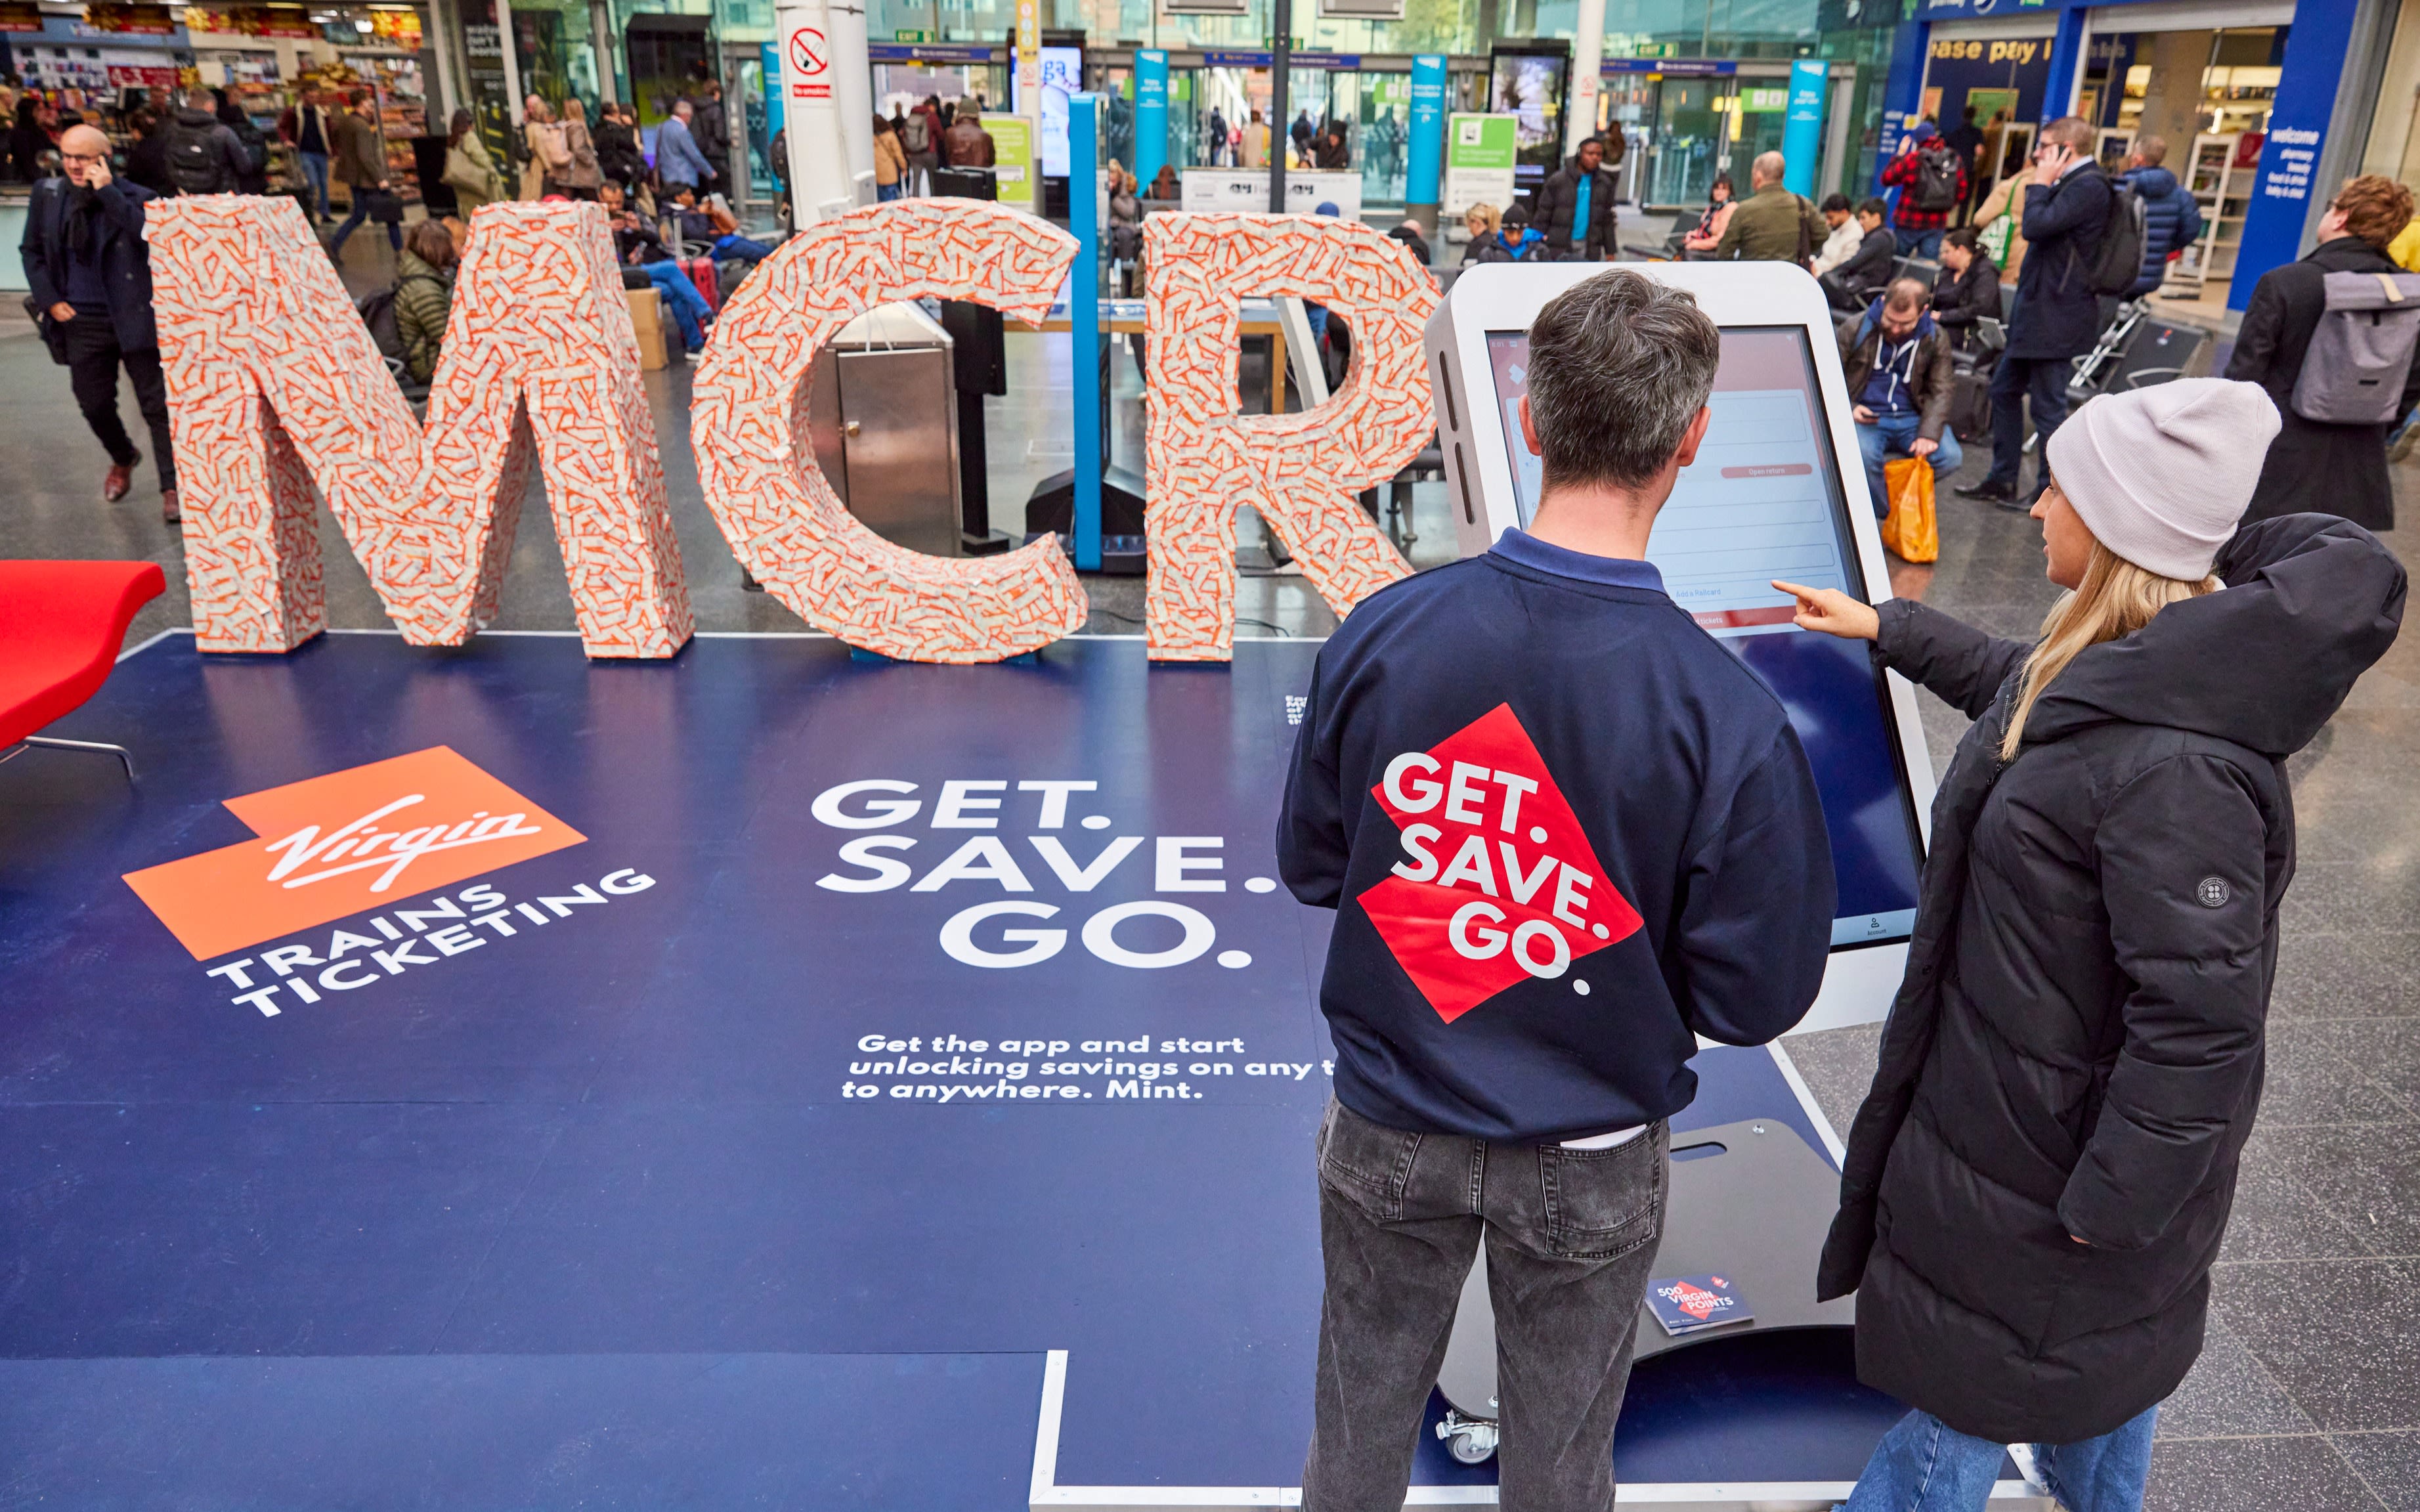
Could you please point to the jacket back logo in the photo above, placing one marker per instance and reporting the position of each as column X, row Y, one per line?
column 1499, row 882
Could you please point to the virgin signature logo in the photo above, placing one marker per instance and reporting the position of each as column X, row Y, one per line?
column 362, row 846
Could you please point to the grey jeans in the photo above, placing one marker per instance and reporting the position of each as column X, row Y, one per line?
column 1570, row 1237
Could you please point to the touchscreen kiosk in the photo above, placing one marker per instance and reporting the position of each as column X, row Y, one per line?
column 1767, row 497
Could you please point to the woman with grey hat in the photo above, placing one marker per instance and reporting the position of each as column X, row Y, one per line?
column 2040, row 1176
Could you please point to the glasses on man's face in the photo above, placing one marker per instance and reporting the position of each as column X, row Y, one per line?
column 84, row 157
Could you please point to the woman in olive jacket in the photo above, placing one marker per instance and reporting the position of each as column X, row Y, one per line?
column 2039, row 1181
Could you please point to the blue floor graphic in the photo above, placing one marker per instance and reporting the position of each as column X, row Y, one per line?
column 855, row 1033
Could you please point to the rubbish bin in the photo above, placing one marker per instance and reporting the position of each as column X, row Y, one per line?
column 882, row 413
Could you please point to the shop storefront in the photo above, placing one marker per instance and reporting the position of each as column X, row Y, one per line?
column 2262, row 103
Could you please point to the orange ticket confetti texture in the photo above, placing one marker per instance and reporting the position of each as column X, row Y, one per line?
column 1205, row 457
column 775, row 508
column 275, row 386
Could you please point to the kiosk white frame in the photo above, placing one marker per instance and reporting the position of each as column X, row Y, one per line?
column 1861, row 980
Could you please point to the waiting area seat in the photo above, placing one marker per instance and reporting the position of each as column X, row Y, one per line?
column 61, row 624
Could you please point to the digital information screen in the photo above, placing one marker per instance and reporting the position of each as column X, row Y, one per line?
column 1763, row 501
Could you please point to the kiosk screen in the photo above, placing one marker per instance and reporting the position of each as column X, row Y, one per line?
column 1763, row 501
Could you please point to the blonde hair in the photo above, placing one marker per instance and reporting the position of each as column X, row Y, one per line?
column 1489, row 217
column 2115, row 599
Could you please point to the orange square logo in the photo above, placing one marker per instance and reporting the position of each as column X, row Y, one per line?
column 346, row 843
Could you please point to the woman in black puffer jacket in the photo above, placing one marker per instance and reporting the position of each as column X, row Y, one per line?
column 2041, row 1176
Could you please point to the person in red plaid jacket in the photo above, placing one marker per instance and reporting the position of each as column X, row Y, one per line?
column 1932, row 183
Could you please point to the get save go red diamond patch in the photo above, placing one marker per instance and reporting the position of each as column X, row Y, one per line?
column 1498, row 882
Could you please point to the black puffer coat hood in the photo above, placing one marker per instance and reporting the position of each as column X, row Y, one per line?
column 2076, row 1050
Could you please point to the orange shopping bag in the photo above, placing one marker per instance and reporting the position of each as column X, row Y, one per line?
column 1910, row 528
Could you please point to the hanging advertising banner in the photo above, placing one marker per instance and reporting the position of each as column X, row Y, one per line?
column 1424, row 149
column 1150, row 112
column 1802, row 129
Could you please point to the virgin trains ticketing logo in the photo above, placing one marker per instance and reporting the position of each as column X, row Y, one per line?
column 346, row 843
column 1498, row 881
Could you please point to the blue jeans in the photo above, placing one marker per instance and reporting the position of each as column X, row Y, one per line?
column 353, row 221
column 2044, row 381
column 1890, row 436
column 740, row 249
column 886, row 191
column 315, row 173
column 689, row 309
column 1919, row 243
column 1924, row 1465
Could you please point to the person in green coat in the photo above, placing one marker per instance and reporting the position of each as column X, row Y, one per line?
column 469, row 171
column 424, row 296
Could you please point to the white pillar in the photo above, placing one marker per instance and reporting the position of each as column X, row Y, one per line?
column 512, row 64
column 855, row 94
column 827, row 106
column 1587, row 75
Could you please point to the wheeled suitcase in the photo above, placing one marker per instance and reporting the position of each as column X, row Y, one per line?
column 701, row 272
column 1970, row 404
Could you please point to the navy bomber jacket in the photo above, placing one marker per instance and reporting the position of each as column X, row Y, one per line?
column 1564, row 832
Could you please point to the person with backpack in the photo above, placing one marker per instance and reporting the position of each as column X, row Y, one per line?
column 2068, row 213
column 2040, row 1179
column 2294, row 345
column 1772, row 224
column 2172, row 219
column 204, row 156
column 922, row 137
column 254, row 179
column 1930, row 179
column 89, row 273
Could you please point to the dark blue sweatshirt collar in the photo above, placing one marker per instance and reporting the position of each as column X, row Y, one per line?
column 1611, row 571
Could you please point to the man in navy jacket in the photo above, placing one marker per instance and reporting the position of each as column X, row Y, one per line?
column 2057, row 315
column 90, row 275
column 1565, row 833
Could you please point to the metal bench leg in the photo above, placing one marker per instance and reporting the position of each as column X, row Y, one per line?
column 118, row 751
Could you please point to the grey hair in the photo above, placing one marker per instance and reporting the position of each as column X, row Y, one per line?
column 1769, row 167
column 1618, row 366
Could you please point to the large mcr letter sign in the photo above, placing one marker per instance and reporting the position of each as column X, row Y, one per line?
column 1300, row 471
column 775, row 508
column 276, row 386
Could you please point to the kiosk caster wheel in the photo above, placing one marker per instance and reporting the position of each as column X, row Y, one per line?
column 1471, row 1440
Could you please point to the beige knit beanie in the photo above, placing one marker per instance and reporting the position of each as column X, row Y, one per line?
column 2161, row 474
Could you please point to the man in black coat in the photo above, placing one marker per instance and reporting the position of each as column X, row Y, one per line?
column 2057, row 315
column 1575, row 208
column 90, row 275
column 712, row 128
column 2330, row 468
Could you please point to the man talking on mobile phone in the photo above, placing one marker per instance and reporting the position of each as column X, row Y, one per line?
column 89, row 272
column 1565, row 833
column 2057, row 313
